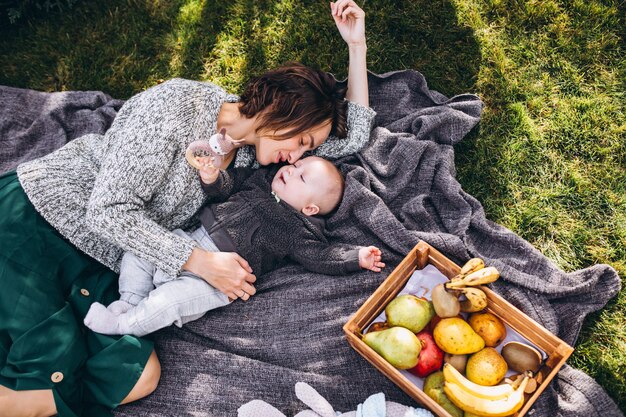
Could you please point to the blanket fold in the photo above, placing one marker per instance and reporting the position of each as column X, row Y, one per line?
column 400, row 189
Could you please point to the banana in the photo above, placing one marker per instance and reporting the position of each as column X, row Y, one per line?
column 470, row 266
column 450, row 374
column 476, row 300
column 480, row 277
column 467, row 401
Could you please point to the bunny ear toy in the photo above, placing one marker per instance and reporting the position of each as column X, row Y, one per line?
column 204, row 153
column 374, row 406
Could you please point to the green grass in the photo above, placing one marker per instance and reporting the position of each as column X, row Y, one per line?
column 549, row 159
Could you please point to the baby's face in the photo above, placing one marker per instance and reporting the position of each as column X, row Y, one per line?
column 304, row 183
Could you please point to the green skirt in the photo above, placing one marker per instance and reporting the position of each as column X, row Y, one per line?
column 46, row 288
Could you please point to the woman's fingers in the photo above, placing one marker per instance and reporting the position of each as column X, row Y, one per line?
column 248, row 289
column 340, row 5
column 350, row 11
column 244, row 263
column 245, row 292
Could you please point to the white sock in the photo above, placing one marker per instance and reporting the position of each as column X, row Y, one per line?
column 101, row 320
column 119, row 307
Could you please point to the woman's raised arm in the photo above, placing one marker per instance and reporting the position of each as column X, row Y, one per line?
column 350, row 20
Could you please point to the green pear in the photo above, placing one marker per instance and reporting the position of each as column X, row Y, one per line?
column 410, row 312
column 433, row 387
column 399, row 346
column 453, row 335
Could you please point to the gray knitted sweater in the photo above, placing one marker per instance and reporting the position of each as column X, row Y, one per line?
column 125, row 190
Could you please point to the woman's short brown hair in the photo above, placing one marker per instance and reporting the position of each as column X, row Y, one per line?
column 297, row 98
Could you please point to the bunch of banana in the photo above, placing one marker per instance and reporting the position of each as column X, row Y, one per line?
column 476, row 300
column 470, row 266
column 478, row 277
column 472, row 274
column 495, row 401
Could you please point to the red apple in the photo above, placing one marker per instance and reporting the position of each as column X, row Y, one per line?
column 430, row 358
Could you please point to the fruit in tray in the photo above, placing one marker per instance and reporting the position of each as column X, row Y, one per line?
column 472, row 368
column 446, row 303
column 532, row 385
column 521, row 357
column 398, row 345
column 486, row 367
column 430, row 358
column 378, row 326
column 476, row 300
column 459, row 362
column 472, row 274
column 469, row 267
column 489, row 327
column 453, row 376
column 454, row 335
column 409, row 312
column 433, row 387
column 480, row 277
column 495, row 401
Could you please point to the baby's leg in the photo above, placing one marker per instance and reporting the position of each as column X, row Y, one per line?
column 102, row 320
column 136, row 277
column 176, row 302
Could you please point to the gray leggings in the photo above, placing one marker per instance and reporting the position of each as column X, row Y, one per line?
column 161, row 300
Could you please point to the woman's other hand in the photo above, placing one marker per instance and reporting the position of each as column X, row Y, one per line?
column 226, row 271
column 350, row 20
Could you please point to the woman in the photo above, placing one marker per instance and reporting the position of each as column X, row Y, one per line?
column 101, row 195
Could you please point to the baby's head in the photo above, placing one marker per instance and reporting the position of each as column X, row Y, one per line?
column 312, row 185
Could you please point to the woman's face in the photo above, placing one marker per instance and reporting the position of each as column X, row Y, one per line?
column 271, row 151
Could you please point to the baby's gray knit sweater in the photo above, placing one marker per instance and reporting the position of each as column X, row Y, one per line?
column 125, row 190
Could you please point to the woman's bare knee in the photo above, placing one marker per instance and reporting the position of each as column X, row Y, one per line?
column 35, row 403
column 148, row 380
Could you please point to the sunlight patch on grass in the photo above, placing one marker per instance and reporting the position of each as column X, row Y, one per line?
column 227, row 62
column 187, row 20
column 253, row 40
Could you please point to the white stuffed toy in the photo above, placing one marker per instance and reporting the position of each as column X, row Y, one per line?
column 374, row 406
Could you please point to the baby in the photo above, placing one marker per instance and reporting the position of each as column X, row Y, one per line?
column 266, row 216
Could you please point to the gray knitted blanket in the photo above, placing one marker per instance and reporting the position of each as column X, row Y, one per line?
column 400, row 189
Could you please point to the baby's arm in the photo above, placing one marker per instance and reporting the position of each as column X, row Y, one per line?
column 370, row 258
column 208, row 174
column 218, row 184
column 338, row 259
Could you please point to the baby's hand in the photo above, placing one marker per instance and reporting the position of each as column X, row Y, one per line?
column 369, row 258
column 208, row 173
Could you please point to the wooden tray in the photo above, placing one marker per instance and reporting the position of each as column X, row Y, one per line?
column 422, row 254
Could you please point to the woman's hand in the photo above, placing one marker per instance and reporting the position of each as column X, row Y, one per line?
column 226, row 271
column 350, row 20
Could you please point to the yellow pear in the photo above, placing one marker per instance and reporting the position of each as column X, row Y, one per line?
column 486, row 367
column 453, row 335
column 489, row 327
